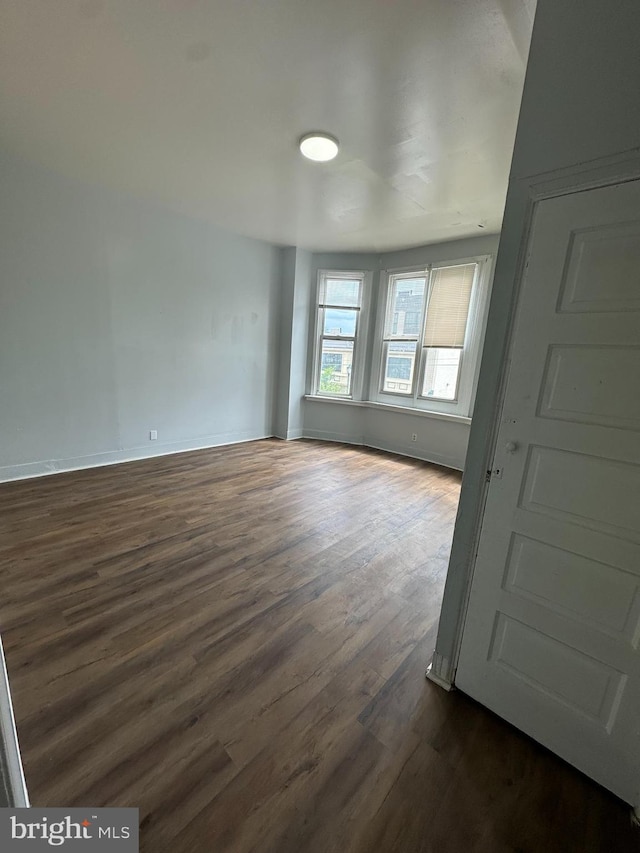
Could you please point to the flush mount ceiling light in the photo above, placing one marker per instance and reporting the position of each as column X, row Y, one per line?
column 319, row 146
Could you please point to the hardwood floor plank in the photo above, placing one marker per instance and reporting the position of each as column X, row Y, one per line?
column 234, row 640
column 266, row 793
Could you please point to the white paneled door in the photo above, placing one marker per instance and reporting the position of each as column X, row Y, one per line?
column 551, row 640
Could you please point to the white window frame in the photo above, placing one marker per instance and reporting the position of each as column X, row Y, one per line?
column 471, row 351
column 358, row 338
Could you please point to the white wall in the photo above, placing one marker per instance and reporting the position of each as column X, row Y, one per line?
column 117, row 317
column 302, row 308
column 580, row 103
column 295, row 307
column 285, row 331
column 441, row 441
column 437, row 440
column 334, row 421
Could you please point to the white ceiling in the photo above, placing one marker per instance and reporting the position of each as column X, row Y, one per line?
column 198, row 104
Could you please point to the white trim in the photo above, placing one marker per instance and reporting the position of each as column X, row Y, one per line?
column 439, row 671
column 47, row 467
column 418, row 270
column 427, row 456
column 338, row 437
column 14, row 781
column 339, row 401
column 398, row 449
column 28, row 470
column 355, row 274
column 359, row 336
column 606, row 172
column 293, row 434
column 400, row 410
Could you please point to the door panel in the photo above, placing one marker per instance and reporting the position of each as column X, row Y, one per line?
column 556, row 668
column 553, row 627
column 575, row 586
column 588, row 285
column 570, row 486
column 580, row 385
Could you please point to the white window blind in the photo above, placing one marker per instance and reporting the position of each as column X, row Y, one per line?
column 448, row 306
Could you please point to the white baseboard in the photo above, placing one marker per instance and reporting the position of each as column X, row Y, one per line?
column 42, row 468
column 424, row 455
column 27, row 470
column 326, row 435
column 439, row 671
column 401, row 450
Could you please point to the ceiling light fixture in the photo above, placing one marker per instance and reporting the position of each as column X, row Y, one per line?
column 318, row 146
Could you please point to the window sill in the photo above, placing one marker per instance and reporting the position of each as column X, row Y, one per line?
column 387, row 407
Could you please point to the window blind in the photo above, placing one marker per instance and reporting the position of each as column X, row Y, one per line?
column 448, row 306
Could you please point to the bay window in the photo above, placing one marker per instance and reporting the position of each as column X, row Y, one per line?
column 426, row 342
column 430, row 337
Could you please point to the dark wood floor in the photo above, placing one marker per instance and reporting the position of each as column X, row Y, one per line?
column 235, row 640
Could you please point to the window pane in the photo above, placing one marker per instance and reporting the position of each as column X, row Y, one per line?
column 441, row 373
column 405, row 307
column 332, row 359
column 335, row 367
column 339, row 322
column 342, row 292
column 399, row 366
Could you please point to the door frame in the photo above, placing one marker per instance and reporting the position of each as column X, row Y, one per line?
column 524, row 196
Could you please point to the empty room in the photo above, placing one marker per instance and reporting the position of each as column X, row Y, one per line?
column 319, row 426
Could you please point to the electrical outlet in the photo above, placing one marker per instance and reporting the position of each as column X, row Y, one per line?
column 153, row 435
column 414, row 436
